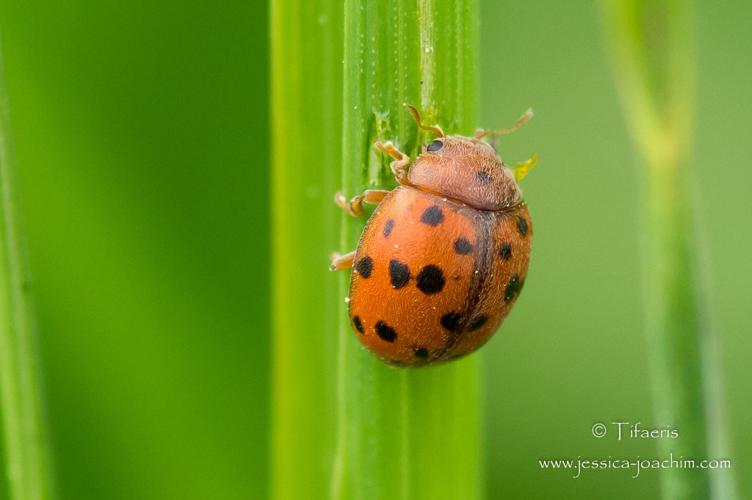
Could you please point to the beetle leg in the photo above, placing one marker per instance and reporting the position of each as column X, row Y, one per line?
column 354, row 207
column 400, row 163
column 340, row 262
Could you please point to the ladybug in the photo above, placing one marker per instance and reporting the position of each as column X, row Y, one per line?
column 444, row 256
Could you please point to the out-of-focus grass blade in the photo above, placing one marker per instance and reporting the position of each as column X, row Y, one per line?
column 306, row 70
column 27, row 456
column 652, row 49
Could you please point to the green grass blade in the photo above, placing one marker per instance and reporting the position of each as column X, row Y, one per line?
column 27, row 456
column 306, row 71
column 404, row 433
column 345, row 424
column 652, row 53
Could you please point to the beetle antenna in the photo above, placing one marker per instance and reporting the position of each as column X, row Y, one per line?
column 434, row 129
column 526, row 116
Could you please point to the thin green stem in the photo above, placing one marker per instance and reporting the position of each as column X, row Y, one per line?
column 27, row 455
column 345, row 424
column 403, row 433
column 652, row 53
column 306, row 68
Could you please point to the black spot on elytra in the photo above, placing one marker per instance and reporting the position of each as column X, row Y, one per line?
column 388, row 227
column 432, row 216
column 477, row 322
column 451, row 321
column 399, row 273
column 358, row 324
column 364, row 266
column 421, row 352
column 462, row 246
column 430, row 280
column 513, row 288
column 483, row 176
column 435, row 146
column 385, row 332
column 522, row 225
column 505, row 252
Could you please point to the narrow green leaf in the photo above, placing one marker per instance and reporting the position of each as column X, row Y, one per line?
column 652, row 50
column 27, row 455
column 404, row 433
column 306, row 68
column 345, row 424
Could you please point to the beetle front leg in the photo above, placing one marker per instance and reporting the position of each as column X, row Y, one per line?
column 340, row 262
column 400, row 163
column 354, row 207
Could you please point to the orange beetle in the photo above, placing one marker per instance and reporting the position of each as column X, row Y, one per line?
column 444, row 256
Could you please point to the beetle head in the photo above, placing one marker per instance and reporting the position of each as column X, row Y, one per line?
column 467, row 169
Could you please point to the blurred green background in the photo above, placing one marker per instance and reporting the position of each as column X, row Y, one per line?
column 141, row 133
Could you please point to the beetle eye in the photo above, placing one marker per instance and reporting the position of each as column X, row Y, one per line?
column 435, row 146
